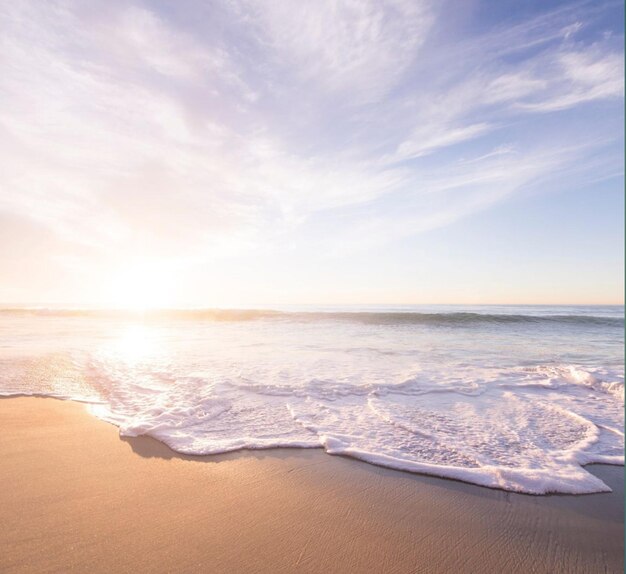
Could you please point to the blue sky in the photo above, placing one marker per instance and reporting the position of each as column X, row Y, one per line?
column 253, row 153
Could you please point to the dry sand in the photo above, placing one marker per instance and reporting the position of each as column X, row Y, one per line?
column 74, row 497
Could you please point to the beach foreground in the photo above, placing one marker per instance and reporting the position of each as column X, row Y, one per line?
column 76, row 497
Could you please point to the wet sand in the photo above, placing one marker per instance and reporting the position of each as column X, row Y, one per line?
column 74, row 497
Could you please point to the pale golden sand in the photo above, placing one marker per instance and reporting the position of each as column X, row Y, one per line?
column 74, row 497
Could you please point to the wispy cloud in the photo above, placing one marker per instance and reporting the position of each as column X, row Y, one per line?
column 437, row 199
column 428, row 138
column 122, row 127
column 579, row 76
column 362, row 48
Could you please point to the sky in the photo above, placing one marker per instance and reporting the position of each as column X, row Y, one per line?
column 250, row 153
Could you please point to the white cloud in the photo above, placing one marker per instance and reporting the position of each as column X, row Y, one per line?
column 122, row 128
column 571, row 30
column 581, row 77
column 436, row 198
column 359, row 46
column 512, row 87
column 429, row 138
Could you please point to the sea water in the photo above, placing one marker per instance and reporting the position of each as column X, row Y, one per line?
column 517, row 397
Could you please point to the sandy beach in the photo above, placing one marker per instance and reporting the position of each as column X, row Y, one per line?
column 74, row 497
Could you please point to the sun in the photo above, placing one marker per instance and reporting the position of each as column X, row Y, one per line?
column 141, row 286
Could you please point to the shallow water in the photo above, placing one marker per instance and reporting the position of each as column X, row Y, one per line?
column 508, row 397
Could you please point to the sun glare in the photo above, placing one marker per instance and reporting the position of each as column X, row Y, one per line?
column 135, row 343
column 141, row 287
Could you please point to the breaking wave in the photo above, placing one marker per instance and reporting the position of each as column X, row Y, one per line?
column 364, row 317
column 510, row 401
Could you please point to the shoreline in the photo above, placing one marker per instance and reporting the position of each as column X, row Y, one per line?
column 74, row 496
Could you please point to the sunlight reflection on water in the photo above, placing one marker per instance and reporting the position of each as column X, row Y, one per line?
column 134, row 344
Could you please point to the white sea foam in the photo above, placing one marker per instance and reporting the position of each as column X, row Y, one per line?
column 501, row 405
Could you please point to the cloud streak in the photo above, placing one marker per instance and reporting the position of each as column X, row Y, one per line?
column 123, row 128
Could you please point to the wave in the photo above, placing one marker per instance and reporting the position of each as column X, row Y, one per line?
column 462, row 318
column 522, row 429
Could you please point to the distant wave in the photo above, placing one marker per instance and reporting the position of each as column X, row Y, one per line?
column 198, row 314
column 398, row 318
column 363, row 317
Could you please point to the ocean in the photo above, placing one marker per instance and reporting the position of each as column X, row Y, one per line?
column 512, row 397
